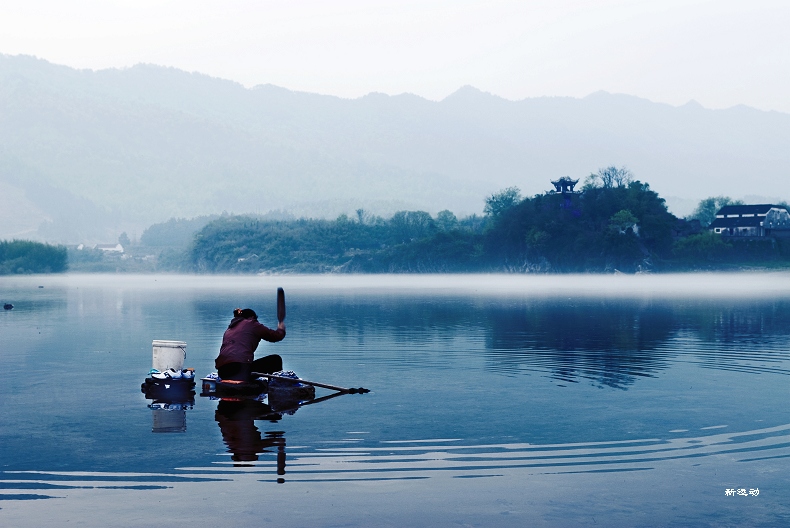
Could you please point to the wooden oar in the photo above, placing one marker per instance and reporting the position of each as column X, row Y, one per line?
column 359, row 390
column 280, row 305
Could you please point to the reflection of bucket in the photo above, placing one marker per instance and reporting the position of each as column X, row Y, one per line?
column 165, row 421
column 169, row 354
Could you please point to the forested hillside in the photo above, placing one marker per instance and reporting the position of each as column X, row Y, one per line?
column 614, row 224
column 625, row 227
column 363, row 243
column 610, row 226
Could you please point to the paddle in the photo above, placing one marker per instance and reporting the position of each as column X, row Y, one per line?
column 280, row 318
column 359, row 390
column 280, row 305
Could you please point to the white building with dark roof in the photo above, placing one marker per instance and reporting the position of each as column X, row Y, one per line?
column 110, row 248
column 752, row 221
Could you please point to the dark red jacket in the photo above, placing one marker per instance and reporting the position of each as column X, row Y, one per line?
column 241, row 340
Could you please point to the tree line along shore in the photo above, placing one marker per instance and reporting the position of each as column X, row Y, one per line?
column 613, row 224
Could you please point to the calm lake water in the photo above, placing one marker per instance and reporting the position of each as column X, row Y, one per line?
column 496, row 401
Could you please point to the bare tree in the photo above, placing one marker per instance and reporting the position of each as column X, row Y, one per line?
column 613, row 177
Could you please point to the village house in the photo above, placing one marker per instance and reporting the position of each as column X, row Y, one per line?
column 110, row 248
column 761, row 220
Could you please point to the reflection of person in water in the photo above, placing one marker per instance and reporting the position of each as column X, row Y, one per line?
column 236, row 421
column 235, row 360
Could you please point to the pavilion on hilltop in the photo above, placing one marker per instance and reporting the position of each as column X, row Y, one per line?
column 565, row 186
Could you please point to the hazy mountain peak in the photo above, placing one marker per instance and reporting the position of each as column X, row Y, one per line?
column 470, row 93
column 693, row 105
column 147, row 143
column 609, row 98
column 375, row 96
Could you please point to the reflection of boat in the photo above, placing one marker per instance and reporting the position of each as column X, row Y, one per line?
column 171, row 400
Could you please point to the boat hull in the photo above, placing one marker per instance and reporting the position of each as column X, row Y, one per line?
column 168, row 390
column 290, row 391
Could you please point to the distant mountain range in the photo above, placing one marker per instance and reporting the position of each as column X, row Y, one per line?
column 85, row 154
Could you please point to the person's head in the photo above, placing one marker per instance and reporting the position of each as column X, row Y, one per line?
column 245, row 313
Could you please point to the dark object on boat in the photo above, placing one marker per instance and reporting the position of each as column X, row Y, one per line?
column 217, row 387
column 173, row 390
column 280, row 305
column 289, row 390
column 8, row 306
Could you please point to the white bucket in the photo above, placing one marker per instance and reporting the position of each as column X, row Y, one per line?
column 169, row 354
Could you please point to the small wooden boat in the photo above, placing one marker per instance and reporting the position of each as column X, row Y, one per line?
column 168, row 390
column 216, row 386
column 275, row 389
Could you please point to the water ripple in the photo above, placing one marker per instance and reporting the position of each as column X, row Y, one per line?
column 409, row 460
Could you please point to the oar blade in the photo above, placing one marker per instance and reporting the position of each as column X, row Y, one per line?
column 280, row 305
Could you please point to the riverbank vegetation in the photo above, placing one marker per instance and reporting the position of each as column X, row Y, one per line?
column 615, row 223
column 24, row 256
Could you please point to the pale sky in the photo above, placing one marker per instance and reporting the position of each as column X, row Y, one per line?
column 720, row 53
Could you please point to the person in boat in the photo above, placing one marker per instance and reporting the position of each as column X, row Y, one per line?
column 241, row 339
